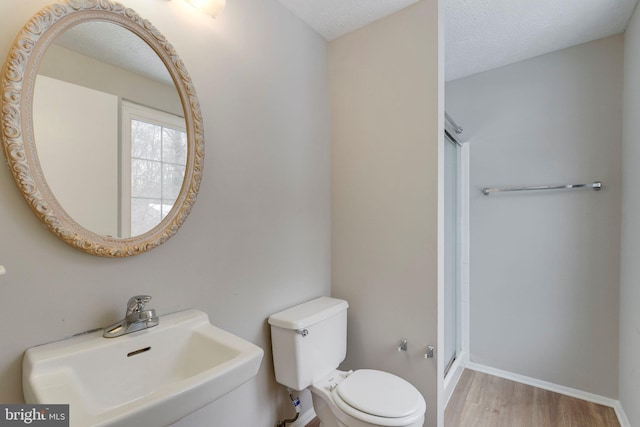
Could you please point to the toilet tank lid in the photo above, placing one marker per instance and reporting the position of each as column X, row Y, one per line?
column 308, row 313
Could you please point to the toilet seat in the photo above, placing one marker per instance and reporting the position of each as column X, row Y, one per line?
column 379, row 393
column 379, row 398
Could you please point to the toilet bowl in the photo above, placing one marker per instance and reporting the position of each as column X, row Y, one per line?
column 366, row 398
column 309, row 342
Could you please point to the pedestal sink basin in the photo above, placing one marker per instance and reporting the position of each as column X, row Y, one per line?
column 149, row 378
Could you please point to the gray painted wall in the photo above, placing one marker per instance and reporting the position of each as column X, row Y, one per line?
column 545, row 266
column 258, row 238
column 630, row 267
column 386, row 84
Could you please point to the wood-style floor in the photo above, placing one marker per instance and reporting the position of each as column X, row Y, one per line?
column 482, row 400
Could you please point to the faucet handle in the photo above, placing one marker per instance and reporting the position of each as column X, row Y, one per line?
column 137, row 303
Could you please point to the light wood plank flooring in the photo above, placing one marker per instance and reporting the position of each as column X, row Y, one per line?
column 314, row 423
column 482, row 400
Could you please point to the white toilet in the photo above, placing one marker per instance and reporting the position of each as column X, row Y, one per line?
column 309, row 341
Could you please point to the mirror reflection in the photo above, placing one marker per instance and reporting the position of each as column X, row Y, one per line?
column 109, row 129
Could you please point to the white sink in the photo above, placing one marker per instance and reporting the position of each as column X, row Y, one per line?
column 150, row 378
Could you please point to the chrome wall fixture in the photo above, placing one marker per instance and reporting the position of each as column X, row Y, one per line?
column 429, row 352
column 597, row 185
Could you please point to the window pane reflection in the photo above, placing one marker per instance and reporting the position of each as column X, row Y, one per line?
column 174, row 147
column 145, row 214
column 146, row 178
column 158, row 163
column 146, row 141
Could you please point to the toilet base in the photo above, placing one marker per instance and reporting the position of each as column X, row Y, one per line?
column 323, row 412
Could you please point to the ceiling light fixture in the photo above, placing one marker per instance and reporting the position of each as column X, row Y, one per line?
column 210, row 7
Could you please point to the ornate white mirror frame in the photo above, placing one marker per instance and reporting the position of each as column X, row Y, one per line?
column 18, row 79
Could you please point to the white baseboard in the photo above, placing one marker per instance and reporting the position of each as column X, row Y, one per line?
column 305, row 418
column 622, row 417
column 567, row 391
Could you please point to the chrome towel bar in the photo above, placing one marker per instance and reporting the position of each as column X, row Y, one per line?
column 597, row 185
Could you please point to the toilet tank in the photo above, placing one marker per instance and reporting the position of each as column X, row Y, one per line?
column 308, row 341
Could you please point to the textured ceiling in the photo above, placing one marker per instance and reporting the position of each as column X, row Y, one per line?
column 334, row 18
column 483, row 34
column 479, row 34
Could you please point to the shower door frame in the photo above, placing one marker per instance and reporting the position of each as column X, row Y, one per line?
column 454, row 369
column 453, row 349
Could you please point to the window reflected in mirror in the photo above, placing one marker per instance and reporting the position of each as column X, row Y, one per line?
column 154, row 158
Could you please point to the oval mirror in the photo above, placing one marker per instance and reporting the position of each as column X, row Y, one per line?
column 101, row 127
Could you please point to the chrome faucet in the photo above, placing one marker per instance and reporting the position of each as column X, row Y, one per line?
column 138, row 317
